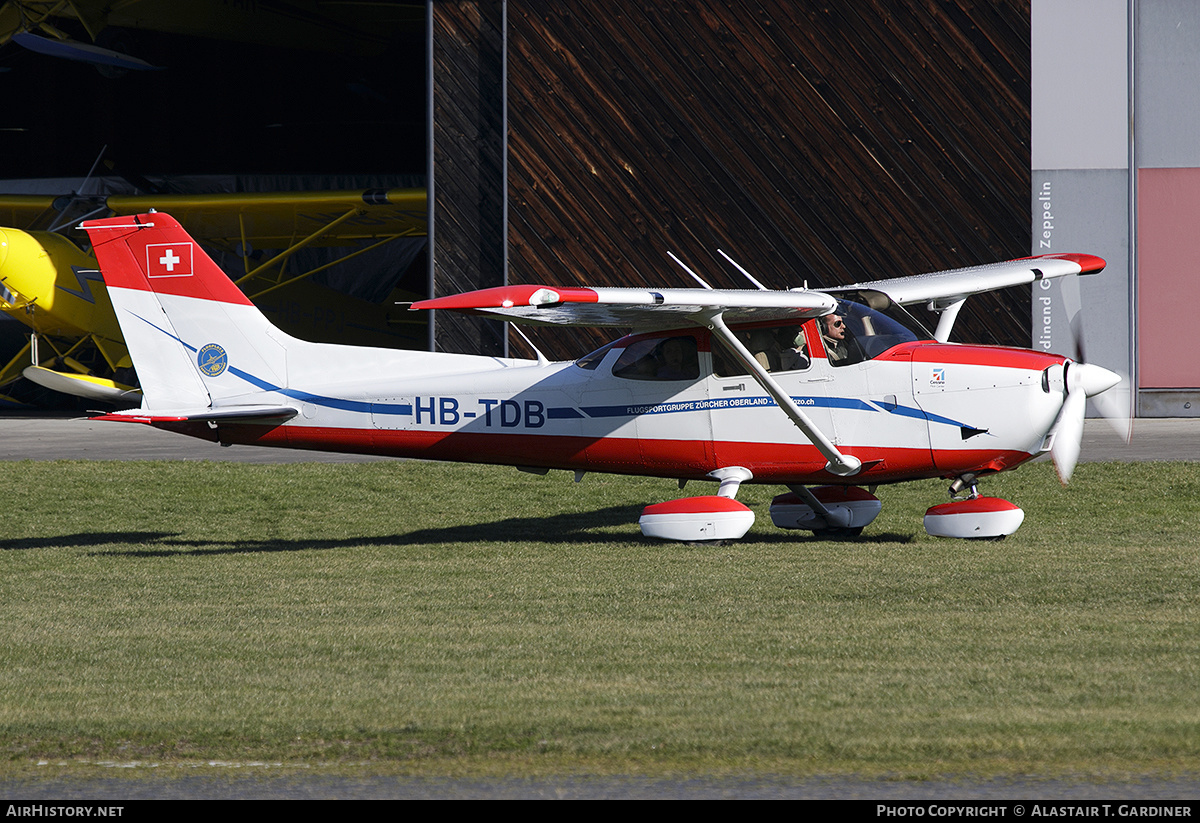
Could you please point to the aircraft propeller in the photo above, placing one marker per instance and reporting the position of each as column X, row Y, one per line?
column 1110, row 390
column 1080, row 381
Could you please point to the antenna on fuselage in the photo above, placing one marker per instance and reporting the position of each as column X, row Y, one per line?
column 695, row 276
column 747, row 274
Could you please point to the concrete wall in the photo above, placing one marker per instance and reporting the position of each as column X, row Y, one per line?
column 1115, row 171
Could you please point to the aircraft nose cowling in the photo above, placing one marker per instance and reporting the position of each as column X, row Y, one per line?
column 3, row 249
column 1093, row 379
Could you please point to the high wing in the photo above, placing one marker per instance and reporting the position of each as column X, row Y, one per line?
column 645, row 309
column 945, row 291
column 640, row 309
column 955, row 284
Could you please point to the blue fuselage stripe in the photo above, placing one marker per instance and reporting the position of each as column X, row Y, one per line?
column 595, row 412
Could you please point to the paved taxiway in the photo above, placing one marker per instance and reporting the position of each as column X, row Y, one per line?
column 29, row 437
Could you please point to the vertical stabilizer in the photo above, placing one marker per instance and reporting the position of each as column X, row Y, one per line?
column 195, row 339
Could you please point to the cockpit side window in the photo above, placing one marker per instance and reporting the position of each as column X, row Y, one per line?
column 659, row 358
column 776, row 348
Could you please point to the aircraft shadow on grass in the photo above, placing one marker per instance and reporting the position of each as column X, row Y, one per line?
column 568, row 528
column 81, row 540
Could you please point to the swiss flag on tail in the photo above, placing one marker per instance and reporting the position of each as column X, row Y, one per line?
column 169, row 260
column 152, row 252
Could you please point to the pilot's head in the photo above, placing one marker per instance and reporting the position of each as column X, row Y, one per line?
column 835, row 326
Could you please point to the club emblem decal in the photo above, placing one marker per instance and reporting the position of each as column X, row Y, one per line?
column 212, row 360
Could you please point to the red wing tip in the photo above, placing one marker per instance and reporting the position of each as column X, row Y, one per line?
column 1088, row 263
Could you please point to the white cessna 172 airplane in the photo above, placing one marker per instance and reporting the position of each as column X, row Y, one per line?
column 823, row 392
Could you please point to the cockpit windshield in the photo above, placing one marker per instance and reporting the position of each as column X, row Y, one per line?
column 866, row 324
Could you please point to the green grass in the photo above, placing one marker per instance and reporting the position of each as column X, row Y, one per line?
column 433, row 619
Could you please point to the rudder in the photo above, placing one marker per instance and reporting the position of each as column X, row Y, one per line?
column 194, row 337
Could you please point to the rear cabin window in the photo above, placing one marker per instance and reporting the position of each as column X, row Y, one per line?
column 777, row 349
column 659, row 358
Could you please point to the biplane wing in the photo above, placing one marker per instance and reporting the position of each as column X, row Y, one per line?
column 28, row 212
column 278, row 220
column 262, row 220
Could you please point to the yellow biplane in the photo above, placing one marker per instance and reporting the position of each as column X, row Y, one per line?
column 51, row 283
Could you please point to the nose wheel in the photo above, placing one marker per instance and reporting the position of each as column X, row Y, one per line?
column 974, row 518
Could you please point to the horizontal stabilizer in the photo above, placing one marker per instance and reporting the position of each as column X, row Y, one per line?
column 83, row 385
column 81, row 52
column 225, row 414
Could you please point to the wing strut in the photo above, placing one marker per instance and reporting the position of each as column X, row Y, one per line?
column 843, row 465
column 947, row 314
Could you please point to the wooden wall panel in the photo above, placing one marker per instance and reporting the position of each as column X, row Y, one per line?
column 815, row 142
column 468, row 154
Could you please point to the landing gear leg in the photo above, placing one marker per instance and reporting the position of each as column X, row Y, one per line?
column 961, row 483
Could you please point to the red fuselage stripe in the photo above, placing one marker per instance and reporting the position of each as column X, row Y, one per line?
column 692, row 459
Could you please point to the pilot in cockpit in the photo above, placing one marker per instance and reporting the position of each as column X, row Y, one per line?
column 677, row 359
column 838, row 347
